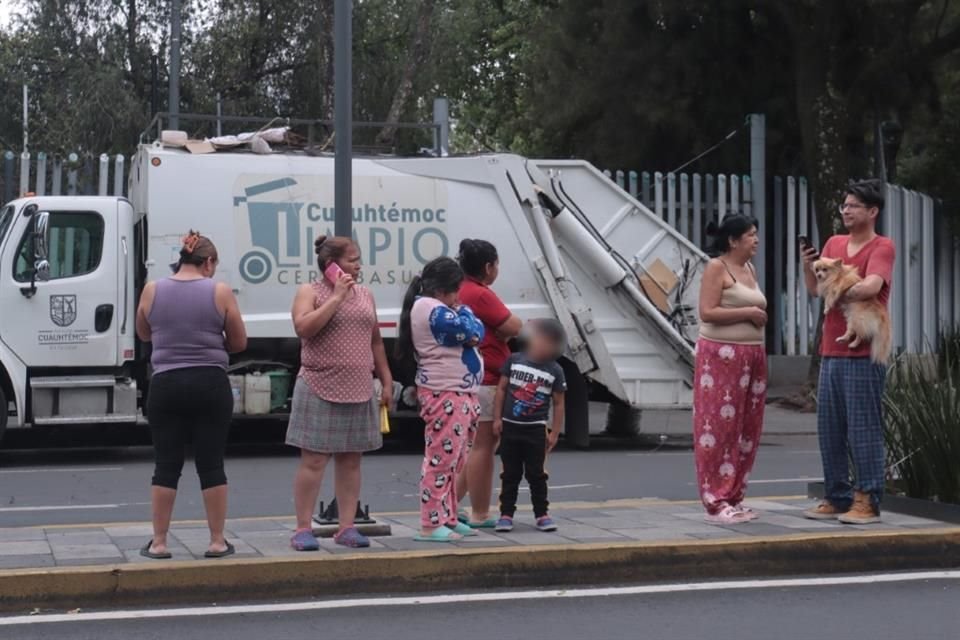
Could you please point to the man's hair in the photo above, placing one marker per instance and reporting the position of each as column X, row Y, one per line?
column 869, row 192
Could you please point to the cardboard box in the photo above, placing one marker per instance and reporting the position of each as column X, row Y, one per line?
column 658, row 282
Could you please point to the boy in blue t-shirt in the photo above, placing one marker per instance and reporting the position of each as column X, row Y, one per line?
column 531, row 383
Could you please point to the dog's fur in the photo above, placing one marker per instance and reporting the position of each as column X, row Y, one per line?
column 866, row 319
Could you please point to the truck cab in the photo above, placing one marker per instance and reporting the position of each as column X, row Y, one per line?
column 67, row 340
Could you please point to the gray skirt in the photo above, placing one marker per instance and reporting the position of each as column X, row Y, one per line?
column 332, row 427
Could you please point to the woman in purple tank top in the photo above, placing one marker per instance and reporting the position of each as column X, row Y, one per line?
column 193, row 323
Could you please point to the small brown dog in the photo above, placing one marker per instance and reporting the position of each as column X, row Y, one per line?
column 866, row 320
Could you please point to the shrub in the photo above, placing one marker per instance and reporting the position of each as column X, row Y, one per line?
column 922, row 426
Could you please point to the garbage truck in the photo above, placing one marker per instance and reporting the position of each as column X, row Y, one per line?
column 572, row 246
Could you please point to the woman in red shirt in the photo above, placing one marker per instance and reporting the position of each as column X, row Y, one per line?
column 481, row 266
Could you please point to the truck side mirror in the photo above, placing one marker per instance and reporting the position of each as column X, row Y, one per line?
column 40, row 242
column 41, row 246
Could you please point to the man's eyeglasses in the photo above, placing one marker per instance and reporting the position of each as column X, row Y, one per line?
column 850, row 205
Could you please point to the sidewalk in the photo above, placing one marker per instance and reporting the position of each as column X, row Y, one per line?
column 615, row 542
column 579, row 523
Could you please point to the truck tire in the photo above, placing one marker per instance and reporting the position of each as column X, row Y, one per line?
column 577, row 406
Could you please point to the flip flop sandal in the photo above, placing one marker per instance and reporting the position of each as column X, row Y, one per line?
column 153, row 555
column 440, row 534
column 464, row 530
column 229, row 551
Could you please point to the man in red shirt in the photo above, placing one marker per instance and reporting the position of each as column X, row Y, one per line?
column 481, row 266
column 849, row 397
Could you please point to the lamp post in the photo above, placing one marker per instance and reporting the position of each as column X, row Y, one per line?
column 343, row 116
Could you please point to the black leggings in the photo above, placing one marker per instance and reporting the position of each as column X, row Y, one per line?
column 184, row 405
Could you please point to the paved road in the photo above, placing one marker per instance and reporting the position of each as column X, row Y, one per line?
column 51, row 486
column 918, row 608
column 80, row 475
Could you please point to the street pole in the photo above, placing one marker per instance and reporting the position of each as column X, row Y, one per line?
column 173, row 101
column 758, row 184
column 441, row 120
column 343, row 116
column 26, row 118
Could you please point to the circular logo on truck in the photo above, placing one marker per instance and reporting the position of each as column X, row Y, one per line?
column 255, row 267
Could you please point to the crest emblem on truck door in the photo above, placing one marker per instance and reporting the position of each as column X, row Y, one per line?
column 63, row 310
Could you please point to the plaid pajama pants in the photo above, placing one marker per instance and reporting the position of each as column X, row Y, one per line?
column 850, row 427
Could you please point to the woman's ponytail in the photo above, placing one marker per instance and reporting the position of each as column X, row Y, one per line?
column 404, row 348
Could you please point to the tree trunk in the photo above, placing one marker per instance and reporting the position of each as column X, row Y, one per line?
column 824, row 121
column 137, row 72
column 418, row 53
column 325, row 58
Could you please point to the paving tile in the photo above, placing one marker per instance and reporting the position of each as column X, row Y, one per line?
column 243, row 526
column 792, row 522
column 489, row 541
column 642, row 534
column 533, row 538
column 93, row 536
column 758, row 528
column 85, row 551
column 767, row 505
column 138, row 530
column 275, row 549
column 130, row 543
column 65, row 530
column 24, row 548
column 715, row 535
column 901, row 520
column 17, row 534
column 409, row 544
column 401, row 531
column 79, row 562
column 584, row 532
column 621, row 522
column 26, row 562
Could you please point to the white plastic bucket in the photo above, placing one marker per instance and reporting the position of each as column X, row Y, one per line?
column 256, row 400
column 236, row 387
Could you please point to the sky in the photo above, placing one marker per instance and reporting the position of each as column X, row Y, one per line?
column 6, row 8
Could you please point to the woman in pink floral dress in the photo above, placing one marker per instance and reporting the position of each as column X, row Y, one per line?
column 730, row 379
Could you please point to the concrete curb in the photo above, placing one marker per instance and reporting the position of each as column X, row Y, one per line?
column 487, row 568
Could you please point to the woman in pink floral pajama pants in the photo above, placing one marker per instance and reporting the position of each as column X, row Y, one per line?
column 730, row 377
column 730, row 391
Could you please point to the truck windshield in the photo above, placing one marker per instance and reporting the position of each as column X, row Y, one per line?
column 6, row 217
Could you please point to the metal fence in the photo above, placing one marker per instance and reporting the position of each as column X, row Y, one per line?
column 55, row 174
column 926, row 292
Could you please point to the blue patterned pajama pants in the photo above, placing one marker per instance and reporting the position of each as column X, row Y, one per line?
column 850, row 427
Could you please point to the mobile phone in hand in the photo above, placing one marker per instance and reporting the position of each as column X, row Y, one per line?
column 333, row 272
column 804, row 242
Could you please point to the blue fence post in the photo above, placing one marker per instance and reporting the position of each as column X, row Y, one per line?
column 620, row 182
column 645, row 190
column 632, row 181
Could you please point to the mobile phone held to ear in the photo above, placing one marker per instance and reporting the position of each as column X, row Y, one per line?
column 332, row 273
column 805, row 244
